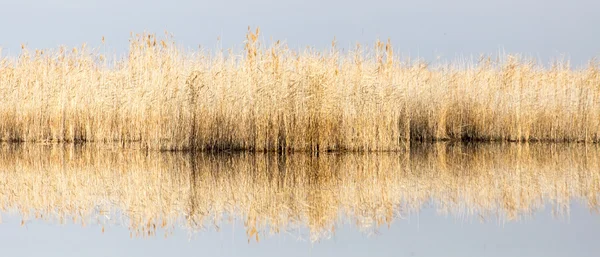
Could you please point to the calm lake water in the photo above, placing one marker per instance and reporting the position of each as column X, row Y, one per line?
column 431, row 200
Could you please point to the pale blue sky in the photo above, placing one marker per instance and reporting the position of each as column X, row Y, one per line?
column 539, row 28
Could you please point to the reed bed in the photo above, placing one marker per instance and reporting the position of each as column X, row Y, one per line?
column 273, row 98
column 301, row 194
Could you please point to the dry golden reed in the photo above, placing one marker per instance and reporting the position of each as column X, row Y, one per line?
column 272, row 98
column 151, row 192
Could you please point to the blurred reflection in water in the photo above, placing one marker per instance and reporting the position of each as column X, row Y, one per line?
column 152, row 192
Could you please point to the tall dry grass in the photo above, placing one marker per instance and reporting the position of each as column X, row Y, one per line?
column 296, row 193
column 272, row 98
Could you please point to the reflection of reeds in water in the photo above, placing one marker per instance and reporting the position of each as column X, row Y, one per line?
column 276, row 193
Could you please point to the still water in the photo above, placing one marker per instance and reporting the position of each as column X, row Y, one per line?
column 431, row 200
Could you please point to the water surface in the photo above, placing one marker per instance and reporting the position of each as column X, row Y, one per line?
column 430, row 200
